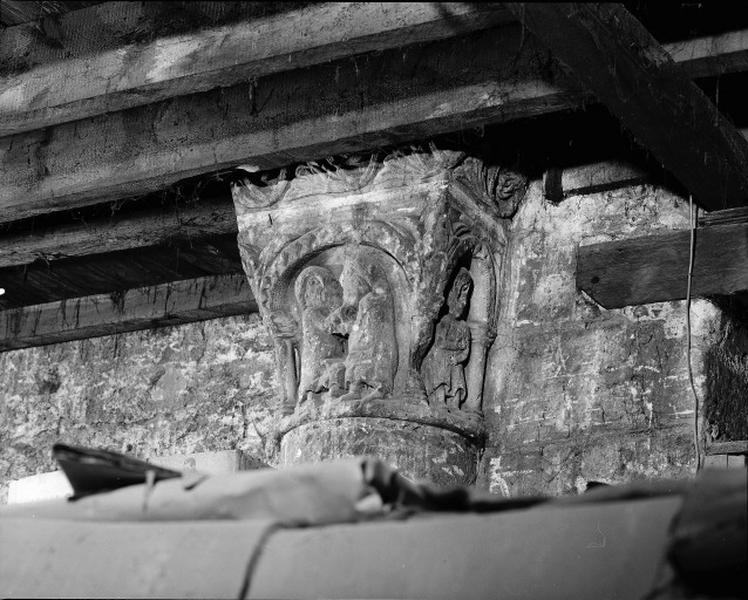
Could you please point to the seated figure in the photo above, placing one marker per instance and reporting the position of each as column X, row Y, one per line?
column 318, row 294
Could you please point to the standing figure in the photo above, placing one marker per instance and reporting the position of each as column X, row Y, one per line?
column 367, row 317
column 443, row 368
column 318, row 294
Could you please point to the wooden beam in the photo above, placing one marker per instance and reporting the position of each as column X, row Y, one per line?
column 127, row 73
column 711, row 56
column 559, row 183
column 724, row 217
column 147, row 228
column 655, row 268
column 139, row 74
column 375, row 100
column 617, row 59
column 144, row 308
column 106, row 272
column 352, row 105
column 737, row 447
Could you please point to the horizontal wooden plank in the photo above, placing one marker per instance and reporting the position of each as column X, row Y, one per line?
column 723, row 217
column 146, row 228
column 126, row 45
column 711, row 56
column 107, row 26
column 108, row 272
column 617, row 59
column 138, row 74
column 596, row 177
column 655, row 268
column 352, row 105
column 144, row 308
column 724, row 448
column 13, row 12
column 391, row 98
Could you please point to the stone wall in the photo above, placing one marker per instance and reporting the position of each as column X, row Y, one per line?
column 573, row 392
column 176, row 390
column 576, row 392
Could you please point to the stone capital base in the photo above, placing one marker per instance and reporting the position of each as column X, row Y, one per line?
column 422, row 443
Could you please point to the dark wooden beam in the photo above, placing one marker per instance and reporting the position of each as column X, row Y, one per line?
column 109, row 272
column 711, row 56
column 616, row 58
column 144, row 308
column 590, row 179
column 359, row 104
column 655, row 268
column 145, row 228
column 123, row 44
column 14, row 12
column 393, row 97
column 226, row 55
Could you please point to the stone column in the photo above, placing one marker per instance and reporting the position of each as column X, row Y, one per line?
column 378, row 283
column 479, row 344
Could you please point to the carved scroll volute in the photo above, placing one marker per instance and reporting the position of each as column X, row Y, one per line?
column 498, row 189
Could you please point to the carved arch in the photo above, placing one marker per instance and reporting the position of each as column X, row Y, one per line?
column 276, row 272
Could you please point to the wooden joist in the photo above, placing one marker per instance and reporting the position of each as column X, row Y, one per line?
column 589, row 179
column 371, row 101
column 712, row 56
column 50, row 80
column 655, row 268
column 617, row 59
column 144, row 308
column 105, row 272
column 147, row 228
column 350, row 105
column 223, row 56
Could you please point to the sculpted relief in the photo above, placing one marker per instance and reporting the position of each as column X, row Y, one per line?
column 380, row 285
column 322, row 356
column 443, row 368
column 347, row 338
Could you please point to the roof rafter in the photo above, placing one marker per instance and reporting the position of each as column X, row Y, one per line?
column 617, row 59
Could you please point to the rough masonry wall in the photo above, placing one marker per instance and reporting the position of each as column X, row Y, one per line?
column 176, row 390
column 575, row 392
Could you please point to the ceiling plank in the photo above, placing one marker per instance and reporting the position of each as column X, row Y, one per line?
column 711, row 56
column 15, row 12
column 146, row 228
column 223, row 56
column 617, row 59
column 655, row 268
column 352, row 105
column 106, row 272
column 117, row 24
column 346, row 106
column 143, row 308
column 55, row 78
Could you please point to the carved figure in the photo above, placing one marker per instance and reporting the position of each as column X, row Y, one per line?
column 318, row 294
column 367, row 317
column 443, row 368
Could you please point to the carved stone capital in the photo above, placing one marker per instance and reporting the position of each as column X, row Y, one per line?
column 378, row 280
